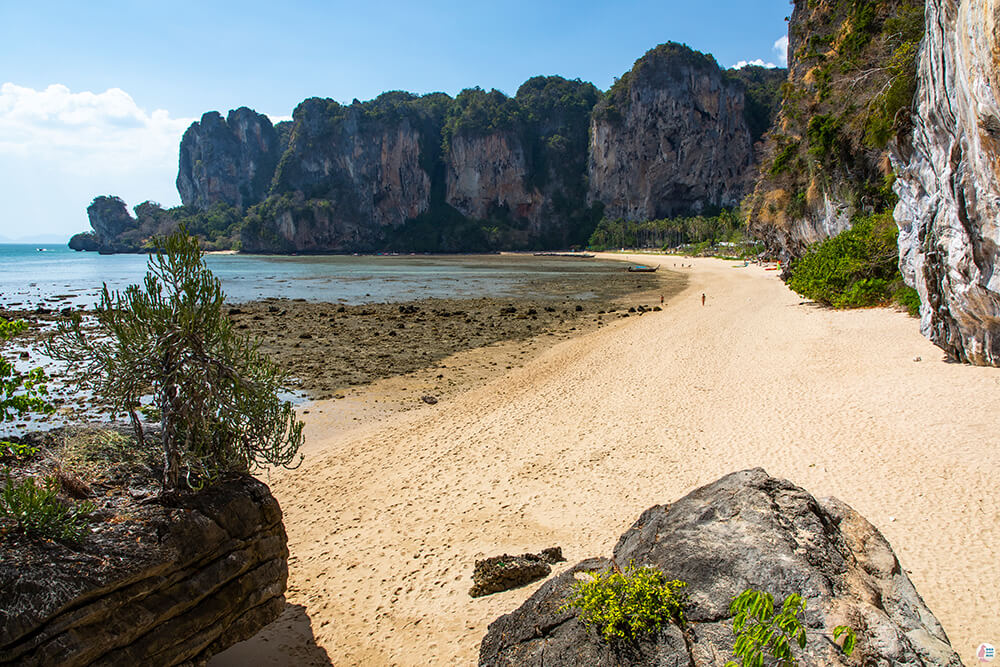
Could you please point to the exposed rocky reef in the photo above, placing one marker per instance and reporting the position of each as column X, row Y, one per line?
column 851, row 72
column 229, row 160
column 164, row 584
column 746, row 530
column 670, row 138
column 949, row 181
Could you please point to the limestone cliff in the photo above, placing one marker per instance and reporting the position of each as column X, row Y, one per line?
column 519, row 164
column 851, row 71
column 670, row 138
column 227, row 160
column 348, row 173
column 488, row 174
column 110, row 219
column 949, row 181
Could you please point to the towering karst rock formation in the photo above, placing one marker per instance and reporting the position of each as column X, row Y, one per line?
column 949, row 181
column 229, row 160
column 348, row 172
column 481, row 171
column 850, row 81
column 670, row 138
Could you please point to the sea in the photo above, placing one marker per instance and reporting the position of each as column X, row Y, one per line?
column 33, row 275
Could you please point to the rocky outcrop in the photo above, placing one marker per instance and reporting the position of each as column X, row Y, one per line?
column 348, row 173
column 670, row 138
column 487, row 176
column 502, row 573
column 229, row 160
column 746, row 530
column 84, row 241
column 192, row 578
column 825, row 159
column 948, row 181
column 109, row 217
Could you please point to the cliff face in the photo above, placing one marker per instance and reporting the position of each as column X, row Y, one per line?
column 227, row 160
column 670, row 138
column 479, row 172
column 489, row 173
column 348, row 173
column 949, row 181
column 109, row 217
column 825, row 160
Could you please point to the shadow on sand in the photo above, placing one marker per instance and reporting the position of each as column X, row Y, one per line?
column 289, row 640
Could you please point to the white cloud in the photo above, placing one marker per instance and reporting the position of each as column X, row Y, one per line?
column 758, row 62
column 63, row 148
column 88, row 131
column 781, row 50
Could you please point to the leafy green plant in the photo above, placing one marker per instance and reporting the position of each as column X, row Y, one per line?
column 16, row 450
column 38, row 510
column 626, row 605
column 766, row 636
column 20, row 393
column 856, row 268
column 216, row 392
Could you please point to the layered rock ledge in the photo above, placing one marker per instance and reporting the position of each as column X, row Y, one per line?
column 746, row 530
column 194, row 577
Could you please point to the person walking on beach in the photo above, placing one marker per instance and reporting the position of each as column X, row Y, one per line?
column 703, row 298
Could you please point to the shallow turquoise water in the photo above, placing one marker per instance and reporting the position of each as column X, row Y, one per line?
column 30, row 277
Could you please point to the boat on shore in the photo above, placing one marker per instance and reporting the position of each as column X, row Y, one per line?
column 642, row 268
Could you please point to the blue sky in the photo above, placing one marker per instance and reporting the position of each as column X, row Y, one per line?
column 95, row 95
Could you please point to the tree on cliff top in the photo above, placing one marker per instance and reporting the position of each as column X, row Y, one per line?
column 216, row 393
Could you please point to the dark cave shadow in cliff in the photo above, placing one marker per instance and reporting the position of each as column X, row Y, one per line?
column 289, row 640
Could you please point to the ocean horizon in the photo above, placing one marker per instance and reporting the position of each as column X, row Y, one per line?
column 33, row 275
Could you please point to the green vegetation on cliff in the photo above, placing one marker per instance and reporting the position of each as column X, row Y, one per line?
column 762, row 86
column 658, row 67
column 856, row 268
column 852, row 77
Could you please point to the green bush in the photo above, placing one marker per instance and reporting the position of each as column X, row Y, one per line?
column 626, row 605
column 38, row 511
column 854, row 269
column 908, row 298
column 16, row 450
column 217, row 394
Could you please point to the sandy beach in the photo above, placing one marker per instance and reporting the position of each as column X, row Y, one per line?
column 571, row 443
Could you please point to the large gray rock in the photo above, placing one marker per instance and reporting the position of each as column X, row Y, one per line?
column 948, row 181
column 191, row 579
column 670, row 138
column 229, row 160
column 746, row 530
column 109, row 218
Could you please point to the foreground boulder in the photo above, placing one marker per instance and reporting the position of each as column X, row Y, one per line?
column 746, row 530
column 182, row 582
